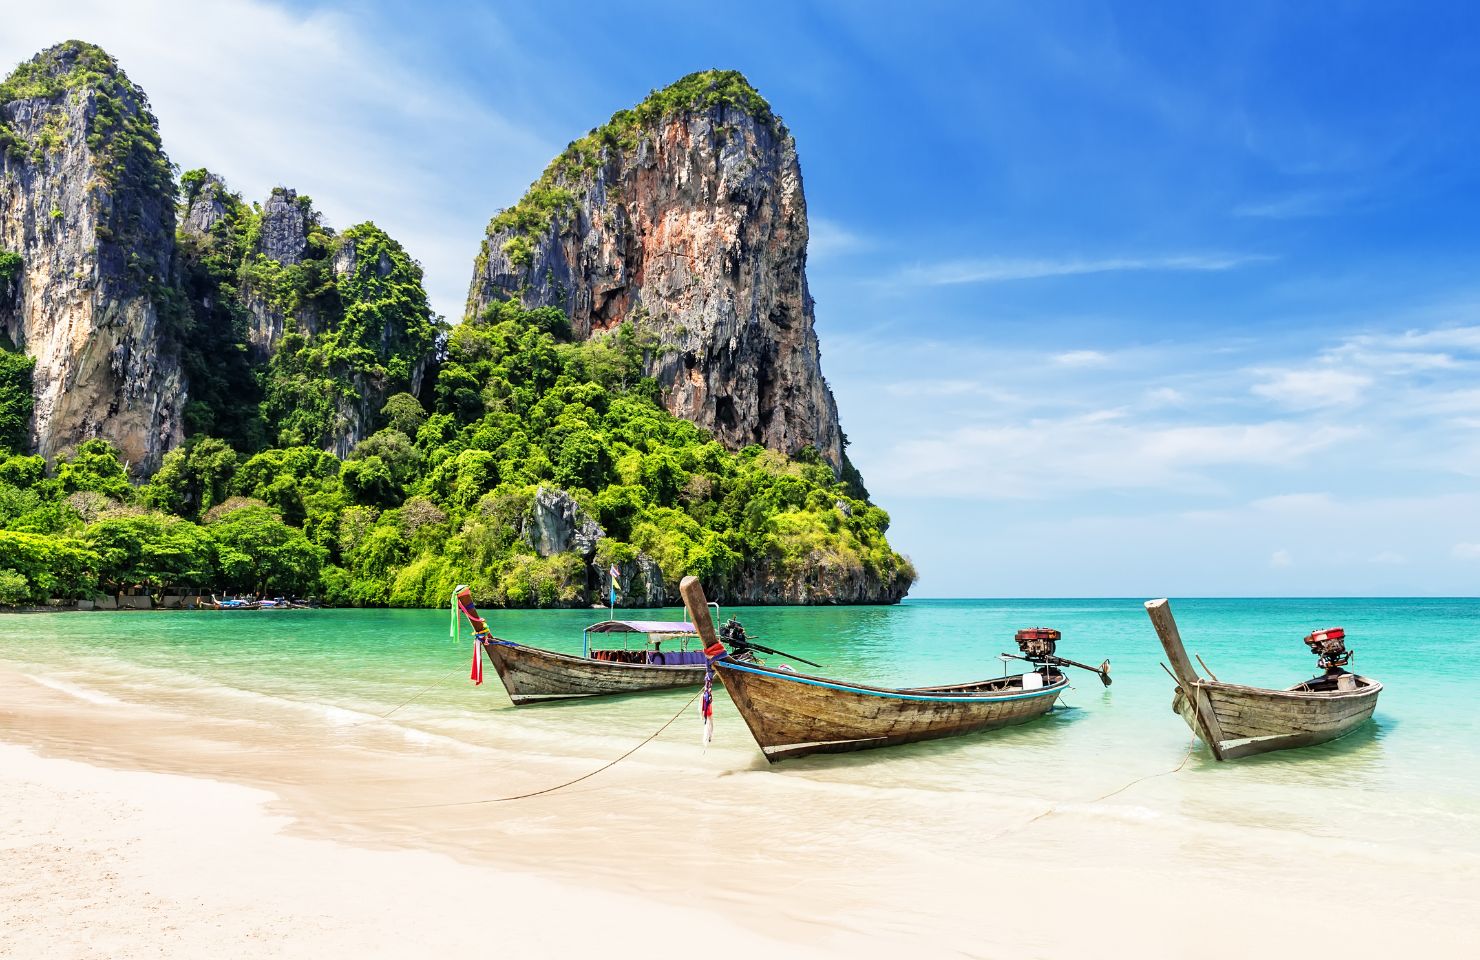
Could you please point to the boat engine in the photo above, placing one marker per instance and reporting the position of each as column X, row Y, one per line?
column 1037, row 643
column 1329, row 646
column 732, row 634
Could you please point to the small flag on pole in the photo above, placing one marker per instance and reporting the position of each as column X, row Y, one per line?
column 616, row 576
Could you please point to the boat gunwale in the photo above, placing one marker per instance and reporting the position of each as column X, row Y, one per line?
column 1054, row 687
column 1373, row 687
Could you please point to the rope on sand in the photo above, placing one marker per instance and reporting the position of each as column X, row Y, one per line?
column 440, row 680
column 559, row 786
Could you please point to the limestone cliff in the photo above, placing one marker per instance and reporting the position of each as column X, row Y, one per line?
column 87, row 203
column 686, row 217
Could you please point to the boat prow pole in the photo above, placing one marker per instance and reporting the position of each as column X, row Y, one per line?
column 698, row 607
column 1160, row 612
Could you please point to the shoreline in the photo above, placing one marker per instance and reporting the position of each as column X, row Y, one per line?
column 796, row 863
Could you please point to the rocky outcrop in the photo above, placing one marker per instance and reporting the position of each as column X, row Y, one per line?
column 87, row 202
column 283, row 229
column 640, row 583
column 825, row 581
column 282, row 239
column 557, row 524
column 205, row 206
column 686, row 217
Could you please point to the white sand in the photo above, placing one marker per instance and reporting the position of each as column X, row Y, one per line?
column 284, row 838
column 109, row 863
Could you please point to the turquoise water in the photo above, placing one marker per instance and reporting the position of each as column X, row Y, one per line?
column 1412, row 776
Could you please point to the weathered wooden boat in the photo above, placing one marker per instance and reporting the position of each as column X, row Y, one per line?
column 534, row 675
column 1239, row 721
column 792, row 714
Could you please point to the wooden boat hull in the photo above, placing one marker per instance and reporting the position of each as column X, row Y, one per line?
column 1253, row 720
column 532, row 675
column 793, row 715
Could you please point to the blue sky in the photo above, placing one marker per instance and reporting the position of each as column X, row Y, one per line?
column 1116, row 299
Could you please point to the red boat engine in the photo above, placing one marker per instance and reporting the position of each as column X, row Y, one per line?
column 1037, row 643
column 1329, row 646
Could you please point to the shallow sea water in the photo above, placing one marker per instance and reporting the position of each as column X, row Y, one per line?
column 1411, row 778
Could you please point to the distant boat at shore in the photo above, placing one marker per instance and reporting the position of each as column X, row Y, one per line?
column 1240, row 721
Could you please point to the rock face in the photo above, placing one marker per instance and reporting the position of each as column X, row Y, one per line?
column 283, row 226
column 558, row 525
column 641, row 583
column 206, row 207
column 824, row 582
column 87, row 202
column 686, row 217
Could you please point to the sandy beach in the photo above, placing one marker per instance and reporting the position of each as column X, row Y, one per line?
column 152, row 829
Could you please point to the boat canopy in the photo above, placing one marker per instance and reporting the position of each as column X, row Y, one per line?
column 641, row 626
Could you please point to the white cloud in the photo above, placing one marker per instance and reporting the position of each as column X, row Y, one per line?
column 1466, row 551
column 1094, row 450
column 1081, row 358
column 1437, row 349
column 1280, row 558
column 1388, row 557
column 1002, row 269
column 828, row 238
column 1308, row 388
column 265, row 96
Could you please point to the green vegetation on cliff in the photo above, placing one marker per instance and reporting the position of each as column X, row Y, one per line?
column 377, row 330
column 16, row 400
column 459, row 445
column 446, row 492
column 356, row 322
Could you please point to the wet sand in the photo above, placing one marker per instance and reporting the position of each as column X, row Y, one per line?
column 176, row 826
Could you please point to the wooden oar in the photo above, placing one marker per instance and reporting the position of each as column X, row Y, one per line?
column 1102, row 671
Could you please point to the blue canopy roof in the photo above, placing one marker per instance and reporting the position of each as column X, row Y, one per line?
column 641, row 626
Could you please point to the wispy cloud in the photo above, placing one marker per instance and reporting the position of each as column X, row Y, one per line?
column 1005, row 269
column 1466, row 551
column 829, row 238
column 1297, row 205
column 1280, row 558
column 1081, row 358
column 1310, row 388
column 1097, row 450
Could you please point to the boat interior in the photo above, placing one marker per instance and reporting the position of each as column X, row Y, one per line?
column 654, row 657
column 1338, row 681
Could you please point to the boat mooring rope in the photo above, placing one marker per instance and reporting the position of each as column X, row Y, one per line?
column 1192, row 744
column 439, row 680
column 559, row 786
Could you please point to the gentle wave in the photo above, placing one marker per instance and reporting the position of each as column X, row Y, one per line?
column 72, row 690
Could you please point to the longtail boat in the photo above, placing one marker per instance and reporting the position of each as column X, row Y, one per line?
column 792, row 714
column 534, row 675
column 1239, row 721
